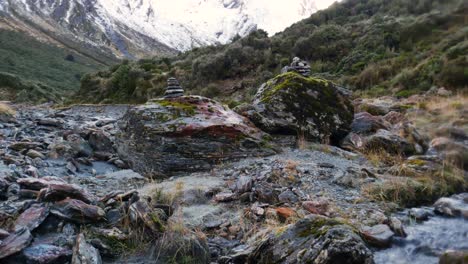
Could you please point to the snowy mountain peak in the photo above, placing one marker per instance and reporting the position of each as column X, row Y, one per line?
column 134, row 27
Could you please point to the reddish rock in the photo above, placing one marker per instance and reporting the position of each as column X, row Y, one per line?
column 187, row 133
column 285, row 212
column 32, row 217
column 316, row 207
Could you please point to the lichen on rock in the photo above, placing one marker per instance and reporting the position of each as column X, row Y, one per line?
column 293, row 104
column 187, row 133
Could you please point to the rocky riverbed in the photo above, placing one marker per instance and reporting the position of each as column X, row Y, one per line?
column 92, row 184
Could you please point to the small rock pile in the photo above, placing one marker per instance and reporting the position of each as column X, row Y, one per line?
column 299, row 66
column 173, row 88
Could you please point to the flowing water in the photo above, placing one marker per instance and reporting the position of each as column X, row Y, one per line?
column 426, row 241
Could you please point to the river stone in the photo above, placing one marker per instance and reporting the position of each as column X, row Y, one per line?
column 84, row 253
column 32, row 217
column 378, row 235
column 15, row 242
column 77, row 211
column 315, row 239
column 296, row 105
column 187, row 133
column 46, row 254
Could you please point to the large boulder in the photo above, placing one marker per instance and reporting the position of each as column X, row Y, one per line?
column 293, row 104
column 315, row 239
column 187, row 133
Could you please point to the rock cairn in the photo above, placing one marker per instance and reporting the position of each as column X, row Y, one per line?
column 299, row 66
column 173, row 88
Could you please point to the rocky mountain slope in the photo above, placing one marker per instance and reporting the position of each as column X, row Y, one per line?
column 375, row 47
column 134, row 29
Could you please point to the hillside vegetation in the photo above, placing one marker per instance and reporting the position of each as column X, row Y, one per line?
column 33, row 71
column 375, row 47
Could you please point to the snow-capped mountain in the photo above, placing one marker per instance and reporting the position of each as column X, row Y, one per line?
column 134, row 28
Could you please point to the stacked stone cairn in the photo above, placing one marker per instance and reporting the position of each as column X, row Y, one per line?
column 173, row 89
column 299, row 66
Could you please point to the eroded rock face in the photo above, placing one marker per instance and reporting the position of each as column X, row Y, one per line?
column 294, row 104
column 315, row 239
column 187, row 133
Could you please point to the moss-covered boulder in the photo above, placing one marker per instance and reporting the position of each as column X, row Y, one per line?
column 316, row 239
column 293, row 104
column 184, row 134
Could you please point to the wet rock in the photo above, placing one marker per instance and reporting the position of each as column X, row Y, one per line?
column 378, row 235
column 454, row 257
column 420, row 214
column 292, row 104
column 317, row 207
column 32, row 217
column 15, row 242
column 365, row 123
column 46, row 254
column 397, row 226
column 141, row 212
column 187, row 133
column 313, row 240
column 77, row 211
column 59, row 191
column 84, row 253
column 451, row 207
